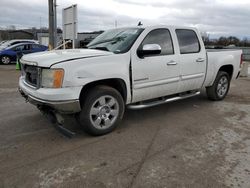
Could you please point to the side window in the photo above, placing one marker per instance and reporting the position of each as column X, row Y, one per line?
column 13, row 43
column 161, row 37
column 188, row 41
column 19, row 48
column 27, row 47
column 35, row 46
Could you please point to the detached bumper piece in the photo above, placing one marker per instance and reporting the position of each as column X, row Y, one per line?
column 52, row 109
column 238, row 75
column 57, row 120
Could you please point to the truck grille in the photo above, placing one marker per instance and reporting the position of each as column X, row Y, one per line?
column 31, row 74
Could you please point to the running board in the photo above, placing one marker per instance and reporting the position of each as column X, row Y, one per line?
column 158, row 102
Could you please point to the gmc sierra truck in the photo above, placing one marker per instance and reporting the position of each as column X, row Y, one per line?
column 134, row 67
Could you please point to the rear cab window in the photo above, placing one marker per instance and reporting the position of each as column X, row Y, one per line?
column 188, row 41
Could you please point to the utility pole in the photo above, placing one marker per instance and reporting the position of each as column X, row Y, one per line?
column 55, row 24
column 40, row 24
column 52, row 24
column 40, row 19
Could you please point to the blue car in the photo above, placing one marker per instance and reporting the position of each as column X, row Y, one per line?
column 9, row 54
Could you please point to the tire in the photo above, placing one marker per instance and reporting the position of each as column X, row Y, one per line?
column 102, row 110
column 5, row 59
column 220, row 87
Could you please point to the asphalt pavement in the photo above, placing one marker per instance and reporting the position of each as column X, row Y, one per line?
column 189, row 143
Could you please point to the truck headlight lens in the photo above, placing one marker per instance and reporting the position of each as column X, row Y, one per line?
column 52, row 78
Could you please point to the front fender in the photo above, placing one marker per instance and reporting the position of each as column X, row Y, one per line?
column 83, row 71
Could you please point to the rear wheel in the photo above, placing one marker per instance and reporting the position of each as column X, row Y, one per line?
column 220, row 87
column 102, row 110
column 5, row 60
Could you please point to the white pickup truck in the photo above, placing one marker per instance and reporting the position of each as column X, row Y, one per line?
column 134, row 67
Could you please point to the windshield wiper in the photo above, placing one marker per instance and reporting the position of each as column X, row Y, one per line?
column 114, row 40
column 100, row 48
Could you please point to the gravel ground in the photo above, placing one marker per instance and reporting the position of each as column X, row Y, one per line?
column 190, row 143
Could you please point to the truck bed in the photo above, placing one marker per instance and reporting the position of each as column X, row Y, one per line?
column 216, row 58
column 220, row 50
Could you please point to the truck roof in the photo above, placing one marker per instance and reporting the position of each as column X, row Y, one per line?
column 162, row 26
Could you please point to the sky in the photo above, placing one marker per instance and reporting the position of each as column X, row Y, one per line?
column 216, row 17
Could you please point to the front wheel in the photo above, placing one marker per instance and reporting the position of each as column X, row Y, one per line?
column 102, row 110
column 220, row 87
column 5, row 60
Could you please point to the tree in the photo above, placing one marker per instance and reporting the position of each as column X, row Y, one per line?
column 222, row 41
column 245, row 42
column 233, row 41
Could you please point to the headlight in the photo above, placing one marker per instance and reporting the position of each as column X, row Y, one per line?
column 52, row 78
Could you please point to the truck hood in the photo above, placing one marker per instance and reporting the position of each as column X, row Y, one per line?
column 48, row 58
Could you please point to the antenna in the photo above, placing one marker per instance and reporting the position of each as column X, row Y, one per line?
column 139, row 24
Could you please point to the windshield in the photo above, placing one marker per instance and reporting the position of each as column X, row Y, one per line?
column 116, row 40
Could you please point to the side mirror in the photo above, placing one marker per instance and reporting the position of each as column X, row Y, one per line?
column 149, row 49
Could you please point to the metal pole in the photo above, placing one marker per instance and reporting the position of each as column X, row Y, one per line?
column 64, row 46
column 51, row 25
column 55, row 25
column 74, row 29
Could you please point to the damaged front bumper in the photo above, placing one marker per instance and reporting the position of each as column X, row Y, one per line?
column 64, row 107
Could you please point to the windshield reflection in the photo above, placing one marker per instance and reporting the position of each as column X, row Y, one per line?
column 116, row 40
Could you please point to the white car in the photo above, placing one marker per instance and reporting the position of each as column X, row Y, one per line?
column 3, row 42
column 134, row 67
column 9, row 43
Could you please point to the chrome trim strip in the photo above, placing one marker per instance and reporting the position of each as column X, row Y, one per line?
column 72, row 59
column 156, row 83
column 64, row 107
column 33, row 87
column 48, row 101
column 192, row 76
column 151, row 104
column 141, row 79
column 39, row 77
column 28, row 62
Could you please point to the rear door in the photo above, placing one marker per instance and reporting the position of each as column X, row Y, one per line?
column 192, row 60
column 155, row 75
column 36, row 48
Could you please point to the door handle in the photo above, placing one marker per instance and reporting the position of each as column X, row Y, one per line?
column 200, row 60
column 172, row 63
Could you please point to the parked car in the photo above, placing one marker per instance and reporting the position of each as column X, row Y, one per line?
column 16, row 41
column 9, row 54
column 133, row 67
column 3, row 42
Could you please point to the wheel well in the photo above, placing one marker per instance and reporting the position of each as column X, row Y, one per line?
column 229, row 69
column 5, row 55
column 115, row 83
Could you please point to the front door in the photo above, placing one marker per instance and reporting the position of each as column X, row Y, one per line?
column 155, row 75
